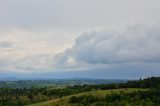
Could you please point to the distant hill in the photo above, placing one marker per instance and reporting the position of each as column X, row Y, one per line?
column 9, row 79
column 13, row 82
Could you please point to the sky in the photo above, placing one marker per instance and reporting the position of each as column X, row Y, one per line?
column 80, row 38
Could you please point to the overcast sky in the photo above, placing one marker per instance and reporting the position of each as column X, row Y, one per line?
column 70, row 36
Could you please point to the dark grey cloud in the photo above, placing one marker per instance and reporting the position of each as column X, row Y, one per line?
column 135, row 44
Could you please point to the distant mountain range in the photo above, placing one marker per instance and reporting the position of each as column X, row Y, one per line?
column 13, row 82
column 9, row 79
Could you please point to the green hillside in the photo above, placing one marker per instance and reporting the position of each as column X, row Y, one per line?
column 64, row 101
column 143, row 92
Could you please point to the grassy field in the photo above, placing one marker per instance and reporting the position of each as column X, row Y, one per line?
column 65, row 100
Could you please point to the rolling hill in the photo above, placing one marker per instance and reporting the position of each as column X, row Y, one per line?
column 64, row 101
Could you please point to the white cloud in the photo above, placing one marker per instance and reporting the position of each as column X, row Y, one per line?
column 29, row 51
column 103, row 48
column 77, row 15
column 33, row 31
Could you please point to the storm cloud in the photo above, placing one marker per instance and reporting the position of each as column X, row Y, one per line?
column 134, row 44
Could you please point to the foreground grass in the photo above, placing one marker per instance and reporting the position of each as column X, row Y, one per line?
column 64, row 101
